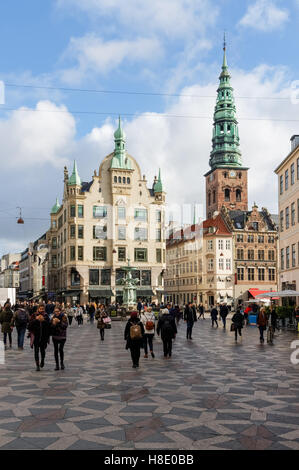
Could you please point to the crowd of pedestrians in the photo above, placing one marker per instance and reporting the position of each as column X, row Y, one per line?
column 43, row 321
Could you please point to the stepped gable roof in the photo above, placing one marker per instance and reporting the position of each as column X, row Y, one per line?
column 239, row 219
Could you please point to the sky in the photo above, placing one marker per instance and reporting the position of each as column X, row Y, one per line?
column 70, row 67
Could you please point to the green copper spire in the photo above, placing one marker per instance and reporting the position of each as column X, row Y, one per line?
column 225, row 151
column 75, row 178
column 158, row 187
column 56, row 207
column 120, row 159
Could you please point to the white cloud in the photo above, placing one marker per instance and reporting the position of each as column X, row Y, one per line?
column 264, row 15
column 172, row 18
column 96, row 56
column 39, row 136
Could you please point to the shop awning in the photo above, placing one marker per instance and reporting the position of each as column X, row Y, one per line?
column 100, row 293
column 254, row 292
column 144, row 292
column 71, row 292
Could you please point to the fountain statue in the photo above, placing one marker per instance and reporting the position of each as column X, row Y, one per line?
column 129, row 290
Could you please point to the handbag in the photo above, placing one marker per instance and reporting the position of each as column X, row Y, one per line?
column 232, row 327
column 107, row 320
column 107, row 326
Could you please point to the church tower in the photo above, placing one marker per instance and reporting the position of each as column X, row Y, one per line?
column 226, row 182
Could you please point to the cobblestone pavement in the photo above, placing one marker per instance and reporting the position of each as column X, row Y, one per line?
column 212, row 394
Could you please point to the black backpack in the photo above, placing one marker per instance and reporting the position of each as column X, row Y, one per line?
column 21, row 318
column 166, row 328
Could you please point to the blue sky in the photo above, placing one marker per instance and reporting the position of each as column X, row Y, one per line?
column 162, row 46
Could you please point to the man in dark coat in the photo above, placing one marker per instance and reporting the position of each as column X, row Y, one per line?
column 190, row 318
column 168, row 329
column 214, row 316
column 39, row 327
column 223, row 313
column 134, row 334
column 238, row 321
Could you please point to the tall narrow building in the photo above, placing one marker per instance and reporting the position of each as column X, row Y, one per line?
column 226, row 182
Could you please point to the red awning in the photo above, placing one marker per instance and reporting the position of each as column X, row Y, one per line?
column 254, row 292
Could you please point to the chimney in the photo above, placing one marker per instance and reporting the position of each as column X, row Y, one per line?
column 294, row 142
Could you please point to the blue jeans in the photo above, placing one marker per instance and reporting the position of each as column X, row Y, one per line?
column 21, row 330
column 148, row 338
column 262, row 329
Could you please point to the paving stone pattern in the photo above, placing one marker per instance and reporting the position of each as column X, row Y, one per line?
column 212, row 394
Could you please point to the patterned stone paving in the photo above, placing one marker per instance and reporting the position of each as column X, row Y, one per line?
column 213, row 394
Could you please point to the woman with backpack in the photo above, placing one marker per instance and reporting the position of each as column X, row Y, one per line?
column 134, row 334
column 5, row 320
column 148, row 319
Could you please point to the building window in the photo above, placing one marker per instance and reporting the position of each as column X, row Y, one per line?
column 282, row 259
column 146, row 278
column 250, row 272
column 220, row 244
column 239, row 238
column 73, row 211
column 158, row 235
column 209, row 199
column 287, row 257
column 281, row 184
column 140, row 254
column 80, row 231
column 227, row 195
column 54, row 243
column 128, row 180
column 140, row 214
column 271, row 255
column 158, row 216
column 214, row 196
column 255, row 226
column 238, row 195
column 250, row 254
column 271, row 239
column 121, row 212
column 64, row 216
column 210, row 264
column 99, row 253
column 221, row 263
column 159, row 255
column 261, row 255
column 250, row 238
column 281, row 221
column 54, row 261
column 261, row 274
column 297, row 168
column 60, row 221
column 80, row 211
column 119, row 179
column 240, row 274
column 287, row 217
column 72, row 253
column 228, row 264
column 260, row 239
column 227, row 244
column 240, row 253
column 99, row 212
column 210, row 245
column 100, row 232
column 105, row 277
column 121, row 232
column 292, row 173
column 286, row 180
column 140, row 234
column 94, row 278
column 119, row 275
column 80, row 253
column 121, row 253
column 115, row 179
column 293, row 256
column 293, row 213
column 75, row 278
column 271, row 274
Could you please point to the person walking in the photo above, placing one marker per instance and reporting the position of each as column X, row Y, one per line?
column 134, row 333
column 91, row 312
column 79, row 314
column 69, row 313
column 262, row 322
column 167, row 328
column 201, row 311
column 274, row 318
column 190, row 318
column 20, row 320
column 6, row 317
column 223, row 314
column 139, row 306
column 59, row 324
column 214, row 316
column 177, row 314
column 100, row 317
column 39, row 327
column 148, row 319
column 237, row 321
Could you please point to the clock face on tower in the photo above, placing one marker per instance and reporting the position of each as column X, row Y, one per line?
column 232, row 174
